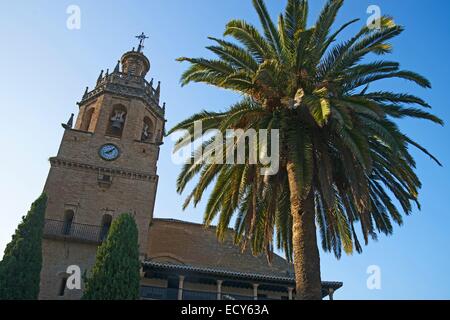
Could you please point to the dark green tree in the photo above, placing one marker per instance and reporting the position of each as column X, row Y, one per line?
column 344, row 160
column 22, row 261
column 115, row 275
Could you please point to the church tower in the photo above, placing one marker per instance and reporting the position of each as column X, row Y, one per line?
column 106, row 165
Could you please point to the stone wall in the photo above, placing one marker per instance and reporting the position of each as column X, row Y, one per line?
column 57, row 257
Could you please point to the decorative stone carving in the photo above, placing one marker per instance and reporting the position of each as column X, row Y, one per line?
column 146, row 134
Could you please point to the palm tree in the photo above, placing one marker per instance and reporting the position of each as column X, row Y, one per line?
column 343, row 159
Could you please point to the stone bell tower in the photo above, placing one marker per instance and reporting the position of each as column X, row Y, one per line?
column 106, row 165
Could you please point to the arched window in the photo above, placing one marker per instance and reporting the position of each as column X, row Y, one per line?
column 132, row 69
column 147, row 130
column 68, row 221
column 62, row 286
column 117, row 121
column 106, row 224
column 87, row 119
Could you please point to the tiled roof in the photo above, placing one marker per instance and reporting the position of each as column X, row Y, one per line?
column 234, row 274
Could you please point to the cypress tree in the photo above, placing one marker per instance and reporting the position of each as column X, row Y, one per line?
column 22, row 261
column 115, row 274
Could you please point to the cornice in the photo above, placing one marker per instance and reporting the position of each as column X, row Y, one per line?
column 127, row 86
column 117, row 172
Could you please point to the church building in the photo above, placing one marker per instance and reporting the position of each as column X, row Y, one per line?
column 107, row 165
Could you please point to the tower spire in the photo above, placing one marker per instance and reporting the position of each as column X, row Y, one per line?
column 100, row 77
column 141, row 38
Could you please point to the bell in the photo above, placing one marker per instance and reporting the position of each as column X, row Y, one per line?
column 117, row 124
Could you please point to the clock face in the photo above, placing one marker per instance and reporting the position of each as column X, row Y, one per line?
column 109, row 152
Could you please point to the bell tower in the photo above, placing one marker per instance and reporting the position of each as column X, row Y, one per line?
column 106, row 165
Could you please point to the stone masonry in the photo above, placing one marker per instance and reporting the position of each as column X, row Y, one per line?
column 83, row 188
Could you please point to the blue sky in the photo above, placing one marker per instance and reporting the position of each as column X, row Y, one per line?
column 45, row 68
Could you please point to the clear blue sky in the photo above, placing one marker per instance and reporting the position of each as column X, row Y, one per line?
column 45, row 68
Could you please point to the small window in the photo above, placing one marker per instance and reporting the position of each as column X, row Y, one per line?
column 68, row 221
column 106, row 224
column 106, row 178
column 62, row 288
column 132, row 69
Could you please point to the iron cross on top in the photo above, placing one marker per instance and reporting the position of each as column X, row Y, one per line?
column 141, row 38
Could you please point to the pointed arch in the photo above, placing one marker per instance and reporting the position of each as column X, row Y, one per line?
column 87, row 119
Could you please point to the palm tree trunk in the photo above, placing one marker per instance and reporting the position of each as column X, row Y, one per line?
column 304, row 239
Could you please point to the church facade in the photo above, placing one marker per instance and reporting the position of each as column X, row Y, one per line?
column 107, row 165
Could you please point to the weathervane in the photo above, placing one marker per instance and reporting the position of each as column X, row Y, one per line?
column 141, row 38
